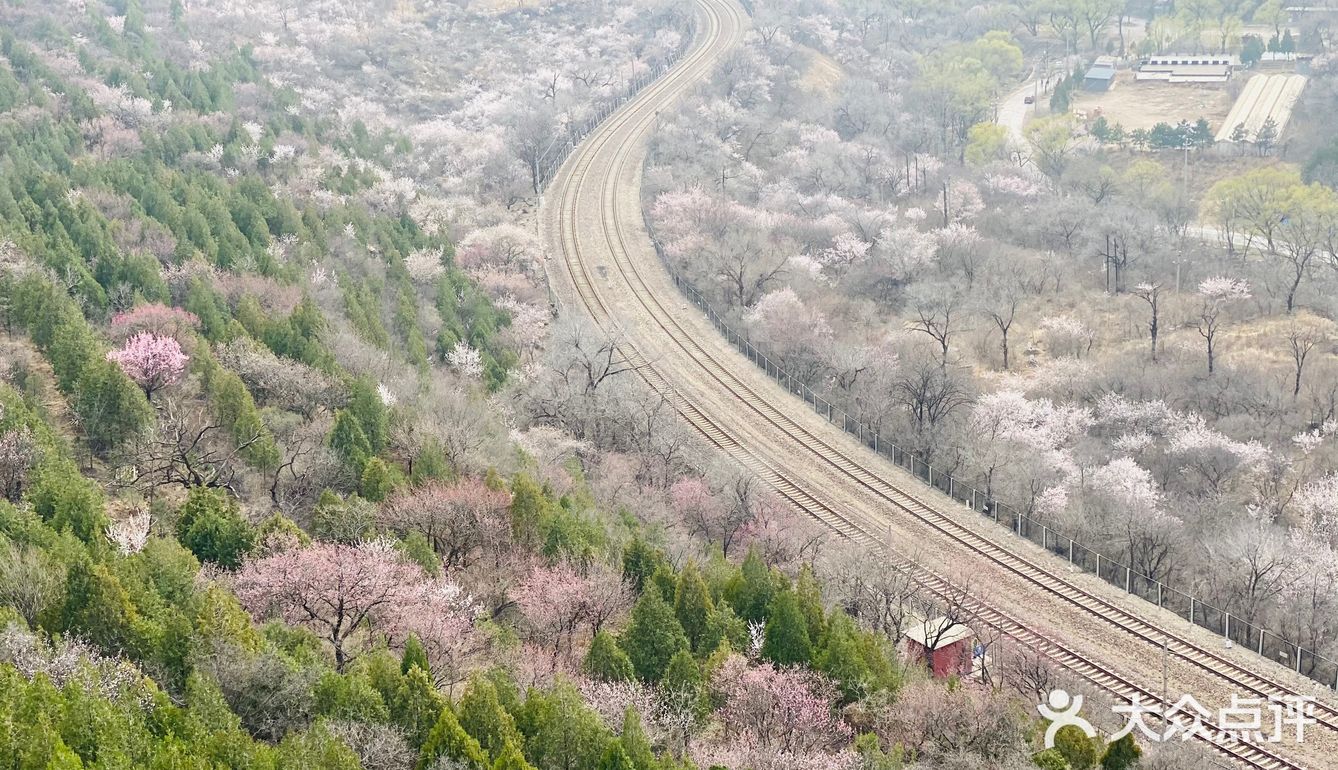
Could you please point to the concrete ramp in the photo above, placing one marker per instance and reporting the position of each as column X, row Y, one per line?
column 1264, row 97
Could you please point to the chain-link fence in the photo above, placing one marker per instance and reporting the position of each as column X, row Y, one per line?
column 552, row 158
column 1248, row 635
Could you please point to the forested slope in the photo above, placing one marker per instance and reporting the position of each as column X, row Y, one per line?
column 297, row 474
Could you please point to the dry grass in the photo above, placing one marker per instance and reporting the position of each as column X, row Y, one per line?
column 498, row 6
column 1143, row 105
column 823, row 74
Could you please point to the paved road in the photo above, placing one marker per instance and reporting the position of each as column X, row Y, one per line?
column 1014, row 110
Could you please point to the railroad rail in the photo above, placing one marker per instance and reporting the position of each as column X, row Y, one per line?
column 722, row 27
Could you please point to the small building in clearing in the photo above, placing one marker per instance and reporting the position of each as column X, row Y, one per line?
column 1100, row 75
column 942, row 645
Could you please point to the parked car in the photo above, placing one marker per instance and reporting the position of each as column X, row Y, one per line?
column 1029, row 100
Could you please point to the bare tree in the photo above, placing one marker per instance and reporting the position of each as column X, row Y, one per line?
column 1301, row 339
column 936, row 614
column 582, row 359
column 1215, row 295
column 1150, row 293
column 937, row 314
column 877, row 597
column 532, row 136
column 999, row 303
column 186, row 448
column 1027, row 671
column 931, row 393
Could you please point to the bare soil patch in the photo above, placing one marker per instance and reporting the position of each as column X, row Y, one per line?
column 1135, row 104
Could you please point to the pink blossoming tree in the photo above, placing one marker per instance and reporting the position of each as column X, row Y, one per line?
column 776, row 718
column 353, row 595
column 157, row 319
column 152, row 361
column 463, row 521
column 561, row 604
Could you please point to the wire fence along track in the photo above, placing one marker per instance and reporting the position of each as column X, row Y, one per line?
column 1249, row 754
column 1243, row 633
column 1247, row 635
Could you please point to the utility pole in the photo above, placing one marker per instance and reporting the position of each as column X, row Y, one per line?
column 1184, row 188
column 1165, row 652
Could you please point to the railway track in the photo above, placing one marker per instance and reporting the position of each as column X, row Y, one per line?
column 599, row 163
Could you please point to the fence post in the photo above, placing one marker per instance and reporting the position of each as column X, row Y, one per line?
column 1045, row 537
column 973, row 499
column 875, row 442
column 1159, row 587
column 1191, row 609
column 1228, row 625
column 1128, row 580
column 1098, row 564
column 930, row 468
column 1070, row 552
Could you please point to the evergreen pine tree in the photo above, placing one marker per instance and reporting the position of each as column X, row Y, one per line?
column 528, row 508
column 349, row 442
column 377, row 480
column 634, row 741
column 449, row 739
column 751, row 591
column 510, row 758
column 723, row 627
column 640, row 561
column 1121, row 754
column 615, row 758
column 68, row 502
column 787, row 641
column 414, row 655
column 97, row 608
column 683, row 680
column 210, row 525
column 692, row 604
column 665, row 581
column 842, row 660
column 653, row 636
column 365, row 404
column 1077, row 749
column 111, row 408
column 482, row 716
column 606, row 661
column 561, row 730
column 809, row 595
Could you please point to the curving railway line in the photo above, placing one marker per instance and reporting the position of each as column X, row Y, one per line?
column 609, row 271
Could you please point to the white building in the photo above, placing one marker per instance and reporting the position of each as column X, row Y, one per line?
column 1188, row 68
